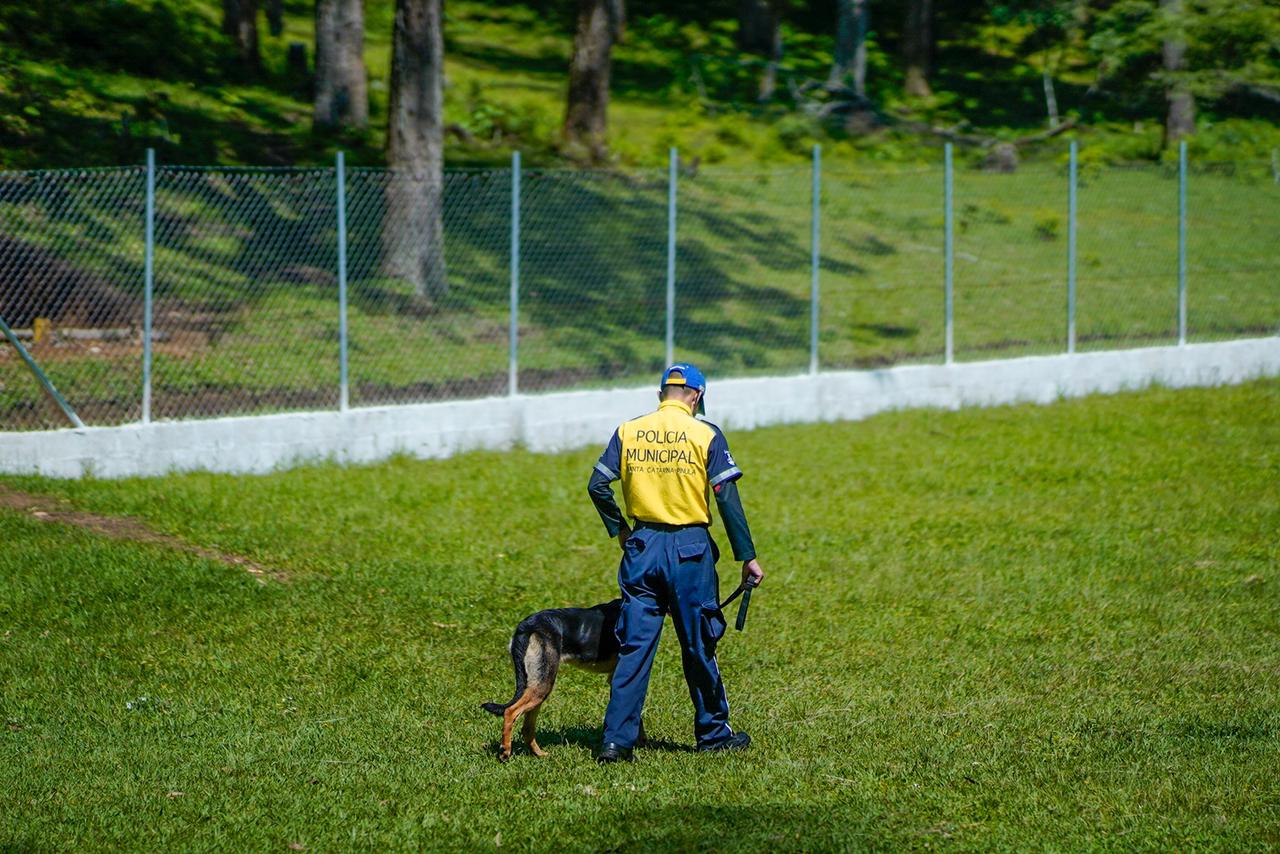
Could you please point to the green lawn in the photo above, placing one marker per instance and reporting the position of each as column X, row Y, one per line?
column 1017, row 628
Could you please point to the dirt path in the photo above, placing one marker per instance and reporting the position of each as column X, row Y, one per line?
column 126, row 528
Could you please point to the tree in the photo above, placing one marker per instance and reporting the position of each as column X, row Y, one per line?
column 852, row 18
column 1179, row 53
column 759, row 34
column 240, row 21
column 1054, row 26
column 1180, row 120
column 413, row 230
column 275, row 18
column 341, row 97
column 917, row 47
column 600, row 25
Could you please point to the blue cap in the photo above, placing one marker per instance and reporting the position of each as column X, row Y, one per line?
column 687, row 375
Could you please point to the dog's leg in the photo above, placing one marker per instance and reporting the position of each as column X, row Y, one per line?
column 530, row 730
column 525, row 653
column 514, row 711
column 540, row 663
column 542, row 678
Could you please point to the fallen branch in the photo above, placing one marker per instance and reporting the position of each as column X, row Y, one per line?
column 979, row 141
column 1062, row 127
column 1258, row 90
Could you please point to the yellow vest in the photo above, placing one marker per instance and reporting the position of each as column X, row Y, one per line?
column 663, row 466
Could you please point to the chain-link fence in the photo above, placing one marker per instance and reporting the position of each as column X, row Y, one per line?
column 881, row 267
column 1128, row 257
column 592, row 273
column 742, row 272
column 71, row 246
column 413, row 340
column 261, row 292
column 245, row 292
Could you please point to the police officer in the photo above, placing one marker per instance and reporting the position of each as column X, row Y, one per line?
column 669, row 463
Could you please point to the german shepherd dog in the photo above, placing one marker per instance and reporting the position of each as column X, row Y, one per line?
column 581, row 636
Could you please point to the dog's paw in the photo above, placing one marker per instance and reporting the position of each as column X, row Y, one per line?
column 538, row 751
column 504, row 755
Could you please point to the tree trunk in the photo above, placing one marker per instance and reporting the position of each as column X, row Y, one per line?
column 757, row 23
column 852, row 18
column 413, row 230
column 275, row 17
column 586, row 112
column 917, row 47
column 1181, row 118
column 240, row 21
column 769, row 79
column 341, row 97
column 759, row 34
column 1050, row 94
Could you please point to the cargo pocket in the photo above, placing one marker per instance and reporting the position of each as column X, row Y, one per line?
column 637, row 542
column 713, row 626
column 691, row 545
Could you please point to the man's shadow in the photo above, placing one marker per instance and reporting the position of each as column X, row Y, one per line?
column 589, row 738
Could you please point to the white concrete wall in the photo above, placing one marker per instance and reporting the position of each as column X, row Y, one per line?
column 561, row 421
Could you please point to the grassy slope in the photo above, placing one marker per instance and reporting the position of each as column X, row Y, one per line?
column 1012, row 628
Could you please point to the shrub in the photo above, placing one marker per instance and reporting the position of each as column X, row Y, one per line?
column 1047, row 225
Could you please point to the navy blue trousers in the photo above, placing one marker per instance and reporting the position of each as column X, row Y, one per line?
column 668, row 572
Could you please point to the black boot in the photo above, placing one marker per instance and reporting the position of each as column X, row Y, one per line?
column 737, row 741
column 615, row 753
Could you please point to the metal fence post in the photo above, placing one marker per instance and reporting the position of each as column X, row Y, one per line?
column 148, row 284
column 513, row 330
column 814, row 258
column 1182, row 243
column 1071, row 250
column 41, row 376
column 949, row 259
column 344, row 397
column 674, row 160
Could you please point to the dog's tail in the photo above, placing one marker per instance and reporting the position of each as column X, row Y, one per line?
column 519, row 646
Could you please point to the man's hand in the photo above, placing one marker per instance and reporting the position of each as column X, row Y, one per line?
column 624, row 534
column 752, row 574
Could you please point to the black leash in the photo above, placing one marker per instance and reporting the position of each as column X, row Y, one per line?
column 744, row 590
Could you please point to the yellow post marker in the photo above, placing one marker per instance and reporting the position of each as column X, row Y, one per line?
column 40, row 329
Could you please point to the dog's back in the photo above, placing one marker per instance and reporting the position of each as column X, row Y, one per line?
column 587, row 635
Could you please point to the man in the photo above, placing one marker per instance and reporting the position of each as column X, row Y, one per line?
column 669, row 462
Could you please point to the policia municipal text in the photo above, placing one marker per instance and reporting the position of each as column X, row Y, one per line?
column 669, row 462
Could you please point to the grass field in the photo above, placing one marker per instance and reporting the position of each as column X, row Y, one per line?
column 1018, row 628
column 247, row 295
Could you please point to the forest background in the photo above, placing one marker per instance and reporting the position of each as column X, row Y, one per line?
column 618, row 82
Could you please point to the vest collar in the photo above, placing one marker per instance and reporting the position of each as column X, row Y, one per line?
column 676, row 404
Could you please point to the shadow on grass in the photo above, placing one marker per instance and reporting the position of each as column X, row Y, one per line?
column 838, row 825
column 121, row 127
column 886, row 331
column 589, row 738
column 1236, row 730
column 632, row 79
